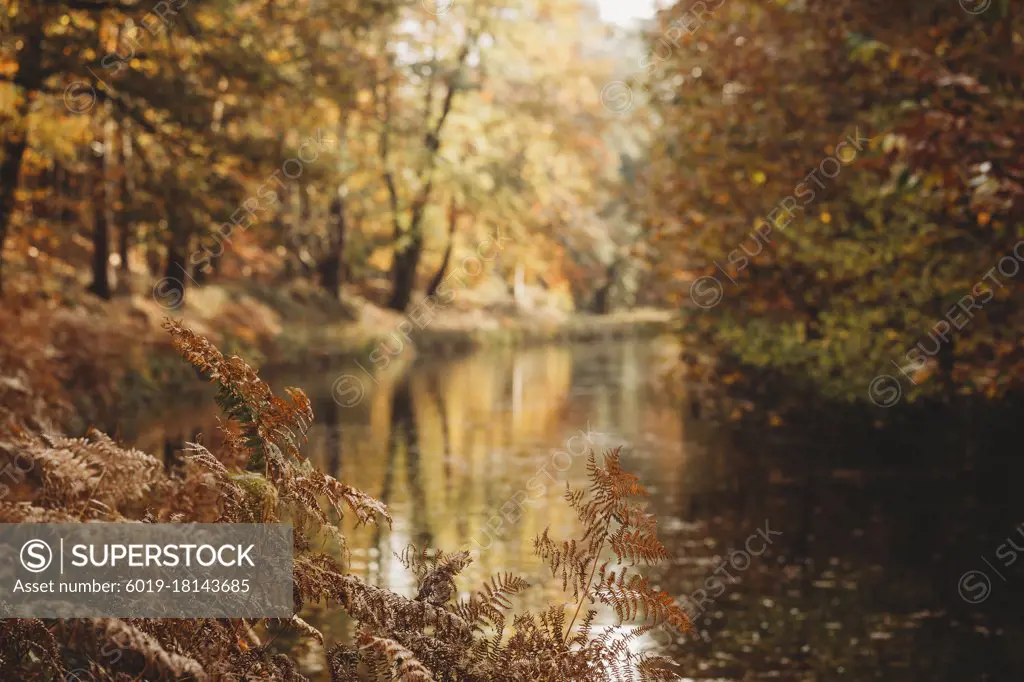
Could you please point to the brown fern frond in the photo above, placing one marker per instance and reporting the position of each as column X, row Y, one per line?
column 24, row 640
column 237, row 503
column 304, row 627
column 610, row 518
column 261, row 663
column 631, row 596
column 654, row 668
column 92, row 475
column 142, row 653
column 417, row 560
column 272, row 430
column 582, row 635
column 272, row 427
column 636, row 546
column 486, row 606
column 404, row 665
column 384, row 611
column 26, row 512
column 568, row 560
column 343, row 663
column 366, row 507
column 438, row 584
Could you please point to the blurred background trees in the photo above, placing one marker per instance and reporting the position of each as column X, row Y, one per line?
column 848, row 173
column 336, row 142
column 904, row 238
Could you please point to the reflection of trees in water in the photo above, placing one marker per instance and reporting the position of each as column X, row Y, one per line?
column 404, row 431
column 474, row 430
column 332, row 438
column 462, row 419
column 434, row 390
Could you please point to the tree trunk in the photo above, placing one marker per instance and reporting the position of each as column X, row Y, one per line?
column 102, row 217
column 333, row 264
column 199, row 275
column 453, row 219
column 29, row 78
column 176, row 272
column 10, row 170
column 304, row 209
column 403, row 273
column 123, row 241
column 603, row 297
column 127, row 193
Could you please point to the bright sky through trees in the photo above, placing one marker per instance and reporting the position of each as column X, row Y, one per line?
column 626, row 11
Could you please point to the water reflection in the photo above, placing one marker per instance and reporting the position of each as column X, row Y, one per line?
column 860, row 585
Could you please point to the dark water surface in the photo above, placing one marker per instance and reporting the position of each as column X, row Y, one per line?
column 880, row 566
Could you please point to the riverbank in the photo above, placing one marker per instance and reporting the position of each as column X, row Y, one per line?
column 285, row 327
column 113, row 358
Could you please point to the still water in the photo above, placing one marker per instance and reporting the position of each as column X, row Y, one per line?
column 799, row 557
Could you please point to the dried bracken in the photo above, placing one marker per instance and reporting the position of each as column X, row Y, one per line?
column 260, row 476
column 138, row 652
column 550, row 646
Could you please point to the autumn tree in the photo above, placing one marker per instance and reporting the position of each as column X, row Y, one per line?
column 832, row 182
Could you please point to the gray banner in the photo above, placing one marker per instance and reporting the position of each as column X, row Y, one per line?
column 145, row 570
